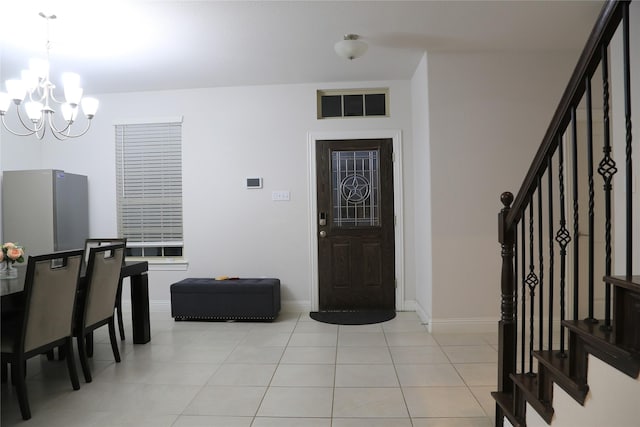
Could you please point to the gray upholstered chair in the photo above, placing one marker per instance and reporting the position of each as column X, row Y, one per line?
column 50, row 291
column 98, row 299
column 92, row 243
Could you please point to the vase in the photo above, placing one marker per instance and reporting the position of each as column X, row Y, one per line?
column 8, row 271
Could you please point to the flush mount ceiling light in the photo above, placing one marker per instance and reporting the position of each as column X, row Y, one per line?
column 36, row 86
column 351, row 47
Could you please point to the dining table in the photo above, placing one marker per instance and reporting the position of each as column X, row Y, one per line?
column 12, row 296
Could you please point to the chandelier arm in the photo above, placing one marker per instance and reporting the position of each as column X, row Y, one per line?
column 4, row 123
column 61, row 135
column 53, row 97
column 39, row 135
column 86, row 129
column 35, row 127
column 53, row 127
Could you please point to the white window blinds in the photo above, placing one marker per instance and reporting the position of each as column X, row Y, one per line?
column 149, row 184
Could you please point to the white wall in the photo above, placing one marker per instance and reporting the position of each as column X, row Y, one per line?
column 488, row 114
column 477, row 120
column 228, row 134
column 422, row 255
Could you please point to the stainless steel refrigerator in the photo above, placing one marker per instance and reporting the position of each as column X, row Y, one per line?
column 45, row 210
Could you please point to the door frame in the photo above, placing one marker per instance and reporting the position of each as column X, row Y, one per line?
column 396, row 137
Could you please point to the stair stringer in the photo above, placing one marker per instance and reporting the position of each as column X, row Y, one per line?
column 613, row 401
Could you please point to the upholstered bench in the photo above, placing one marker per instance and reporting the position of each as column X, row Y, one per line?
column 237, row 299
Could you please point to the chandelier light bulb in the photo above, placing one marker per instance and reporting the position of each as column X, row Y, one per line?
column 69, row 112
column 90, row 106
column 16, row 89
column 34, row 110
column 30, row 80
column 5, row 101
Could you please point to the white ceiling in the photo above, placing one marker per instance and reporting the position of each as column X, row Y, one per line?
column 140, row 45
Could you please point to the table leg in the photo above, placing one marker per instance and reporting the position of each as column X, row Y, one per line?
column 140, row 308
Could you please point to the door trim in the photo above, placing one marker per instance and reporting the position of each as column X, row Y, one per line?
column 396, row 137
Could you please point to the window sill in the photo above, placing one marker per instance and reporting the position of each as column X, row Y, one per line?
column 163, row 264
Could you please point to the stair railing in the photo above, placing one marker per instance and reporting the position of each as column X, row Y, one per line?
column 539, row 229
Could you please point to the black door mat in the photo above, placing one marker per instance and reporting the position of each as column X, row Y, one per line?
column 355, row 317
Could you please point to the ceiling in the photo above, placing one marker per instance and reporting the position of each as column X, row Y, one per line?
column 140, row 45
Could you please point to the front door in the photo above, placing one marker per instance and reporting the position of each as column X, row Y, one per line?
column 356, row 248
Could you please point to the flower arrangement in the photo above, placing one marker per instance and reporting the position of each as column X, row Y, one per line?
column 11, row 253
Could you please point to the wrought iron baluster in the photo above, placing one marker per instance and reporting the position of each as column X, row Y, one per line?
column 524, row 294
column 563, row 238
column 628, row 137
column 607, row 169
column 551, row 254
column 532, row 282
column 590, row 317
column 515, row 289
column 574, row 178
column 540, row 268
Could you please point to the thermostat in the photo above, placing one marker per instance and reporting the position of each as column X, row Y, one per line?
column 254, row 182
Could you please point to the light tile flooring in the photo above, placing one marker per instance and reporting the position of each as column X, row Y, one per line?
column 292, row 372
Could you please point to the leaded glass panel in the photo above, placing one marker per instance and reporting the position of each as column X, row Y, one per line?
column 355, row 182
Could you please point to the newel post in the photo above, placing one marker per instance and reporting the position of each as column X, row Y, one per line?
column 507, row 325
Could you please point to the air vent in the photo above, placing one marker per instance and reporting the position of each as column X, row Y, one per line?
column 340, row 103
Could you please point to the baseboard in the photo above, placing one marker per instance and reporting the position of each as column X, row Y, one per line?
column 425, row 318
column 164, row 306
column 296, row 306
column 464, row 325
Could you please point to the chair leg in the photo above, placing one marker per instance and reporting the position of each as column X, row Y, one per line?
column 62, row 352
column 15, row 372
column 119, row 310
column 88, row 340
column 21, row 387
column 71, row 364
column 114, row 341
column 50, row 355
column 82, row 355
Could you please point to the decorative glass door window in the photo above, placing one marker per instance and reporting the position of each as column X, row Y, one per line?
column 355, row 188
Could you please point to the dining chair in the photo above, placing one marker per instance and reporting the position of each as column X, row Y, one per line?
column 98, row 299
column 92, row 243
column 50, row 291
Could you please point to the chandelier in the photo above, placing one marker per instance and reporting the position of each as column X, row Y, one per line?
column 36, row 113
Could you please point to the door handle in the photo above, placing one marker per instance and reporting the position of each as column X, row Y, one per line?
column 323, row 233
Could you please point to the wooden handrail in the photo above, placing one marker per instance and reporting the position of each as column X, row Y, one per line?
column 602, row 32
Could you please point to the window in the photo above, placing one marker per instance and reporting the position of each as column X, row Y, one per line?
column 149, row 188
column 352, row 103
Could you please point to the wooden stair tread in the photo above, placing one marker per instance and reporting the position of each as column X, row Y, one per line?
column 505, row 401
column 602, row 344
column 528, row 385
column 631, row 283
column 559, row 370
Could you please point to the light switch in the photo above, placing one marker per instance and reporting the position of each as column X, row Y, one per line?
column 281, row 196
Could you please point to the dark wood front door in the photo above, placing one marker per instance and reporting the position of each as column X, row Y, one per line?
column 356, row 248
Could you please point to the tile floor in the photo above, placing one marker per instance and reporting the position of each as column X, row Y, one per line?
column 293, row 372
